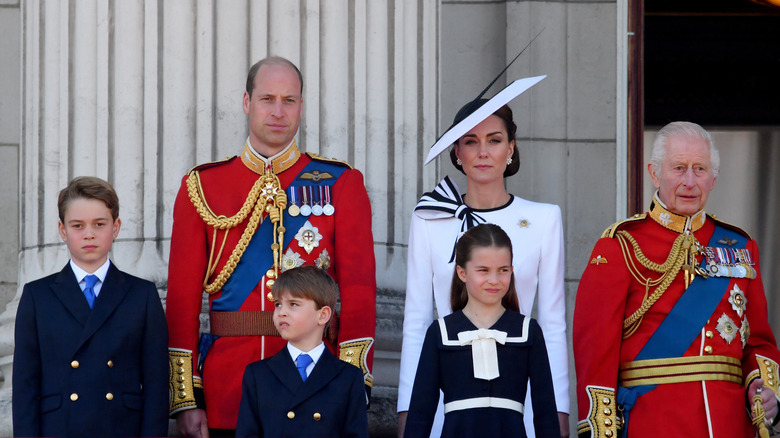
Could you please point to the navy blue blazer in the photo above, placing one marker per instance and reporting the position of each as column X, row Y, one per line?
column 275, row 402
column 101, row 372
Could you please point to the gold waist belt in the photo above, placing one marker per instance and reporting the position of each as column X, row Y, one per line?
column 680, row 369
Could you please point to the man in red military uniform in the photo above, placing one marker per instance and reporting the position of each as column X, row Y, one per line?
column 237, row 224
column 671, row 336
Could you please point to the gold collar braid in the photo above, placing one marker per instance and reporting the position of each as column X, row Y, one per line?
column 674, row 221
column 266, row 195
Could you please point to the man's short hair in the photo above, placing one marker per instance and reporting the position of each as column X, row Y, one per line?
column 309, row 282
column 271, row 60
column 687, row 130
column 88, row 187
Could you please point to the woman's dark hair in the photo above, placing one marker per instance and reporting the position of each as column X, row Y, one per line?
column 481, row 236
column 504, row 113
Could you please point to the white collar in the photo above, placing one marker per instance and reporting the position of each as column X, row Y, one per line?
column 314, row 353
column 101, row 272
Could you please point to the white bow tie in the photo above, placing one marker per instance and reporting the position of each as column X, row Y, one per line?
column 483, row 351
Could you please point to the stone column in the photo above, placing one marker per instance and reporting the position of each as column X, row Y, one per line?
column 137, row 92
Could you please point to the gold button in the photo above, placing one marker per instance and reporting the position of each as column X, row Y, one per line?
column 270, row 296
column 766, row 362
column 317, row 416
column 180, row 371
column 607, row 411
column 606, row 401
column 180, row 379
column 608, row 433
column 74, row 364
column 348, row 360
column 291, row 415
column 74, row 397
column 709, row 334
column 110, row 364
column 270, row 274
column 182, row 387
column 350, row 352
column 607, row 422
column 769, row 375
column 182, row 394
column 269, row 284
column 708, row 349
column 771, row 383
column 109, row 396
column 179, row 361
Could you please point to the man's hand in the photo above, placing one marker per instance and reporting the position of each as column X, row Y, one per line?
column 767, row 397
column 402, row 423
column 192, row 424
column 563, row 421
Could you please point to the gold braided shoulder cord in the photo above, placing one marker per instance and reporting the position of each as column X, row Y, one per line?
column 222, row 222
column 668, row 269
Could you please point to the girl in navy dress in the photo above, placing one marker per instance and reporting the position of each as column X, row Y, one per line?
column 483, row 355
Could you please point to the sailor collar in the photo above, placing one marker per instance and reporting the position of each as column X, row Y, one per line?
column 277, row 163
column 482, row 341
column 674, row 221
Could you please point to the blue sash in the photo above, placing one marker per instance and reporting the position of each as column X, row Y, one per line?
column 258, row 257
column 683, row 323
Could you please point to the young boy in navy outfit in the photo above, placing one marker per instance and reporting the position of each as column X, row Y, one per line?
column 304, row 390
column 90, row 357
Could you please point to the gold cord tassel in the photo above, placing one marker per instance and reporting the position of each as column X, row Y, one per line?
column 759, row 415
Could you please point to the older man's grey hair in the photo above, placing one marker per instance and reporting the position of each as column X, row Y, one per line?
column 682, row 129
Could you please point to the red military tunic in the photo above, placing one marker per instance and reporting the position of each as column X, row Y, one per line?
column 344, row 246
column 738, row 331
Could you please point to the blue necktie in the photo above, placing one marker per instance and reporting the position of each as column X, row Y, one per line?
column 303, row 361
column 89, row 289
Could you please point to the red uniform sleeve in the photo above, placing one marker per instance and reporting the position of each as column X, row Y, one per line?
column 355, row 271
column 186, row 267
column 597, row 329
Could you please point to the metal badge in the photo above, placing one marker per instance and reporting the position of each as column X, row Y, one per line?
column 727, row 328
column 291, row 259
column 323, row 261
column 738, row 300
column 744, row 332
column 308, row 237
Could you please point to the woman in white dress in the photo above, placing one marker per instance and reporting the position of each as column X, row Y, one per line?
column 486, row 154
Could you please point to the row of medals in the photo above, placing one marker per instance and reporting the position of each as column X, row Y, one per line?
column 311, row 204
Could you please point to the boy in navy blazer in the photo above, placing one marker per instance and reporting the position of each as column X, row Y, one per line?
column 304, row 390
column 90, row 357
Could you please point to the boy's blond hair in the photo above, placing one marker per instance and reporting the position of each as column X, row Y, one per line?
column 308, row 282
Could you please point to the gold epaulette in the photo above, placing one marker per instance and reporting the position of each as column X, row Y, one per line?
column 603, row 418
column 355, row 352
column 182, row 382
column 729, row 226
column 335, row 161
column 203, row 166
column 610, row 232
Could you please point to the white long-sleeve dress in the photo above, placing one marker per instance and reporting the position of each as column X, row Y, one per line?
column 538, row 262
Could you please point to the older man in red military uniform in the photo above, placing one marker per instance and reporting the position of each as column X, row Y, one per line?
column 671, row 336
column 237, row 224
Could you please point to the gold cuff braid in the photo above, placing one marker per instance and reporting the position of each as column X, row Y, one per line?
column 355, row 352
column 182, row 382
column 602, row 420
column 767, row 371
